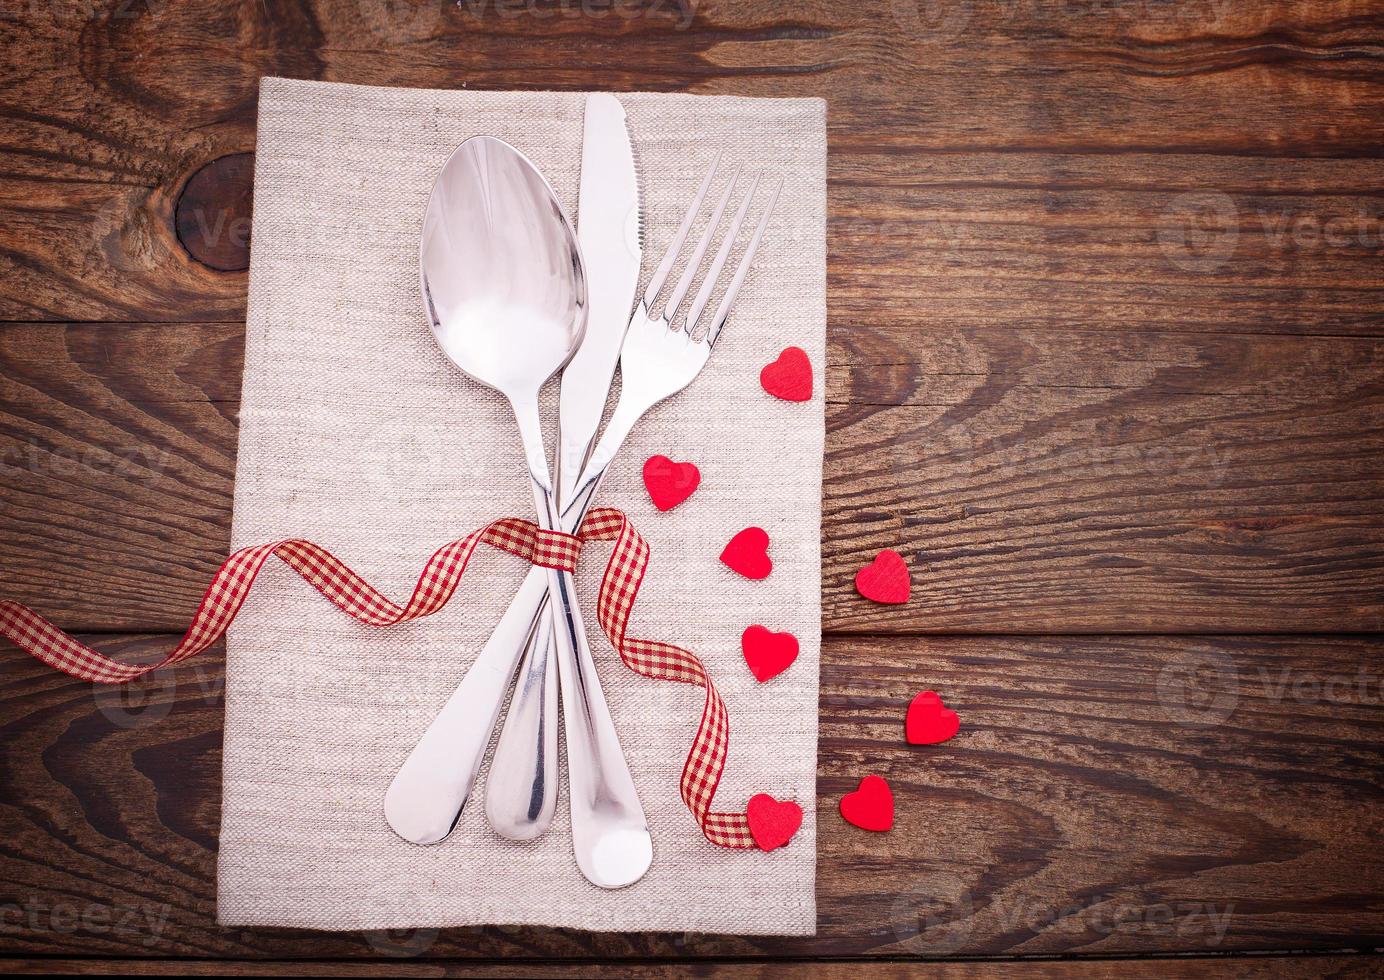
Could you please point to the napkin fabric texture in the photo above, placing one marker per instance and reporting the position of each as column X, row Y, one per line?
column 357, row 433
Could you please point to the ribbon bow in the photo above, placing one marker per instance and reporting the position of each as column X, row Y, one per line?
column 436, row 584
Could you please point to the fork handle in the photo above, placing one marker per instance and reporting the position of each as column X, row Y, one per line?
column 610, row 836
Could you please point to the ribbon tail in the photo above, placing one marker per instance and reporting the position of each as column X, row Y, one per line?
column 706, row 759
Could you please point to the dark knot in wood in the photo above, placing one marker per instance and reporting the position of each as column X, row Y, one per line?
column 212, row 217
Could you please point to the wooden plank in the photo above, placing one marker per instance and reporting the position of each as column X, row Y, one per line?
column 1069, row 481
column 1094, row 241
column 1001, row 160
column 89, row 462
column 1037, row 480
column 1289, row 967
column 1106, row 796
column 1206, row 244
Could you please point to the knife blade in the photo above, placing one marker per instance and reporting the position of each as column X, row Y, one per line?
column 608, row 229
column 521, row 792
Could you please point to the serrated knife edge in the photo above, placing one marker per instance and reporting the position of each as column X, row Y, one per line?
column 608, row 228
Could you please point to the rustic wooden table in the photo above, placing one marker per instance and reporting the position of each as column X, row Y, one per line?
column 1105, row 365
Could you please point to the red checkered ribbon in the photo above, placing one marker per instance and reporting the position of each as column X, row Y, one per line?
column 439, row 580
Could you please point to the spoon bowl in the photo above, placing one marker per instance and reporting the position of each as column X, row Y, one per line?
column 501, row 269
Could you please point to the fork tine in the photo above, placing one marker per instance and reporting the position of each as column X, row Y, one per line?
column 727, row 301
column 665, row 264
column 694, row 263
column 694, row 312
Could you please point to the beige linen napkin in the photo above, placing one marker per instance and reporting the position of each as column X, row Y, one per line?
column 356, row 432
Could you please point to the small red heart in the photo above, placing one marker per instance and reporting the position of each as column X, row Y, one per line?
column 789, row 377
column 885, row 579
column 929, row 721
column 670, row 483
column 748, row 553
column 768, row 654
column 871, row 807
column 772, row 824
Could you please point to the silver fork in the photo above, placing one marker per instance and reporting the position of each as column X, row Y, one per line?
column 661, row 355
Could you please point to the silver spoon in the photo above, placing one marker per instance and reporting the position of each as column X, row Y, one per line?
column 505, row 294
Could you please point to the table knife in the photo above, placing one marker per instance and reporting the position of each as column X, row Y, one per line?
column 521, row 790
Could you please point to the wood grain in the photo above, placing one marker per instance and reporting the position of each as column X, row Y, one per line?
column 995, row 158
column 1106, row 796
column 1308, row 967
column 1105, row 358
column 1037, row 480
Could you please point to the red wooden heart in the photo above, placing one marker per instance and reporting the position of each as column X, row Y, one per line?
column 789, row 377
column 885, row 579
column 768, row 654
column 772, row 824
column 669, row 483
column 748, row 553
column 871, row 807
column 929, row 721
